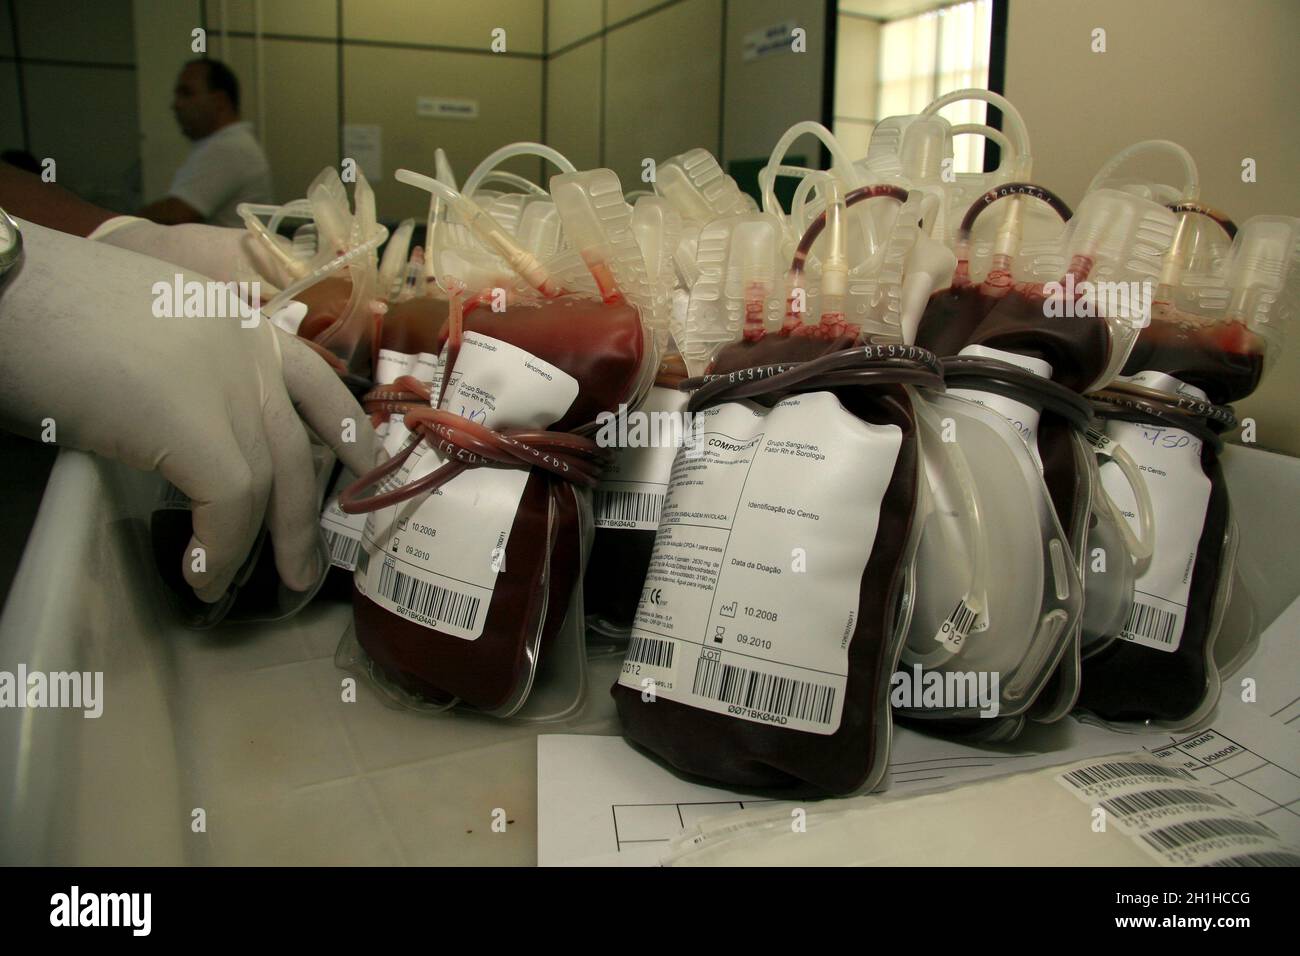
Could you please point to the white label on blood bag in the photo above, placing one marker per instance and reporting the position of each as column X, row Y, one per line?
column 290, row 317
column 752, row 593
column 631, row 492
column 428, row 367
column 1023, row 418
column 342, row 531
column 434, row 559
column 1170, row 462
column 391, row 365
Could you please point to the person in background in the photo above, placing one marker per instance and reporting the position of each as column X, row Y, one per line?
column 226, row 165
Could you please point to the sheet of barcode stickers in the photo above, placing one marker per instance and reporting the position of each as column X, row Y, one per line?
column 1195, row 803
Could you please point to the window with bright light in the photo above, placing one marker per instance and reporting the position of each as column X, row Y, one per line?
column 917, row 59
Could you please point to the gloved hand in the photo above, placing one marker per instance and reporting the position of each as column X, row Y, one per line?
column 221, row 253
column 212, row 405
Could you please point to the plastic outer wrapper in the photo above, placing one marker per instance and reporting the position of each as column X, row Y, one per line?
column 761, row 656
column 1158, row 669
column 257, row 593
column 1005, row 630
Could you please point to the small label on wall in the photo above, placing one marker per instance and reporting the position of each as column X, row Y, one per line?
column 364, row 143
column 442, row 108
column 769, row 40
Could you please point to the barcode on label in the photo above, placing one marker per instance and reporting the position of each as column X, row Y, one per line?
column 1195, row 831
column 763, row 692
column 343, row 549
column 363, row 562
column 953, row 631
column 1151, row 623
column 1103, row 773
column 1097, row 438
column 1147, row 800
column 640, row 506
column 647, row 650
column 429, row 600
column 1273, row 858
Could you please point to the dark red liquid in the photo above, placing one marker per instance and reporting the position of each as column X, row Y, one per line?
column 1224, row 359
column 602, row 347
column 414, row 326
column 1131, row 682
column 753, row 755
column 326, row 301
column 1077, row 348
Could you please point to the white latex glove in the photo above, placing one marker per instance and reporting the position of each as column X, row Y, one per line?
column 212, row 405
column 219, row 252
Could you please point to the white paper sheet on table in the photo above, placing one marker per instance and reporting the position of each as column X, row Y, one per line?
column 1275, row 668
column 602, row 803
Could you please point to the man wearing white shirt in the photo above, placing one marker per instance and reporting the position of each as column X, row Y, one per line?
column 226, row 165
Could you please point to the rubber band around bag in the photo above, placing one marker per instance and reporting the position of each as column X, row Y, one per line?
column 1014, row 382
column 857, row 366
column 568, row 455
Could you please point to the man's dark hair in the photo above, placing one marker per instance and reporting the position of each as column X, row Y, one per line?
column 221, row 79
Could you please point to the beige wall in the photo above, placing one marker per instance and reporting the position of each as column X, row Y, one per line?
column 78, row 93
column 766, row 96
column 393, row 52
column 1219, row 78
column 656, row 79
column 162, row 45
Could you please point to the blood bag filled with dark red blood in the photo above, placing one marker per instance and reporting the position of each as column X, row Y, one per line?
column 763, row 655
column 464, row 586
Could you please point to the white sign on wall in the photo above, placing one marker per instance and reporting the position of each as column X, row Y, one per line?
column 442, row 108
column 365, row 144
column 769, row 40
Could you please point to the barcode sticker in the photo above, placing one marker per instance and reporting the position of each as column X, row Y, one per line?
column 615, row 508
column 456, row 612
column 1101, row 443
column 648, row 650
column 764, row 696
column 342, row 533
column 1170, row 815
column 1106, row 778
column 1154, row 624
column 956, row 628
column 631, row 492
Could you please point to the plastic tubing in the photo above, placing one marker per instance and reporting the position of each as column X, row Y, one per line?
column 861, row 194
column 989, row 133
column 839, row 158
column 1008, row 236
column 1058, row 204
column 357, row 252
column 522, row 183
column 495, row 159
column 523, row 262
column 1191, row 181
column 1141, row 546
column 249, row 213
column 1224, row 223
column 973, row 526
column 1019, row 132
